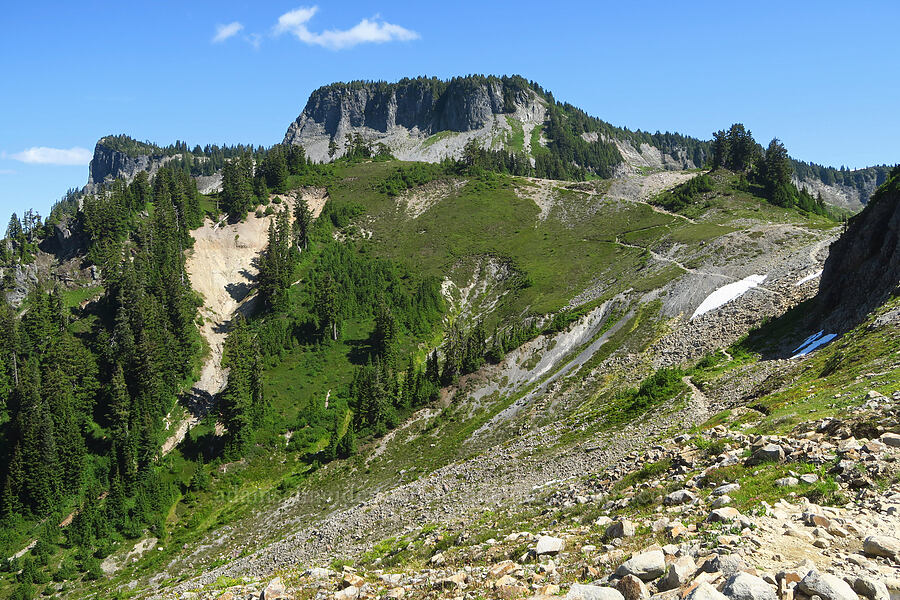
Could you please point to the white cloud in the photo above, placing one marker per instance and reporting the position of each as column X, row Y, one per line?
column 223, row 32
column 365, row 32
column 7, row 171
column 41, row 155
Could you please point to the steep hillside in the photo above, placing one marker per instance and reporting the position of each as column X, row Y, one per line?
column 863, row 268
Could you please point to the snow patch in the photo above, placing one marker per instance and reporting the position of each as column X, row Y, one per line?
column 727, row 293
column 809, row 278
column 812, row 342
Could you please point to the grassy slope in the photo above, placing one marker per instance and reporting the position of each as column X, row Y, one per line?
column 560, row 256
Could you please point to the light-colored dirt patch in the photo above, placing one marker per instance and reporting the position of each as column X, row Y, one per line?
column 417, row 200
column 640, row 188
column 541, row 192
column 223, row 265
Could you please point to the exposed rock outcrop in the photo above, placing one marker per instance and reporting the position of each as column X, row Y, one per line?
column 863, row 267
column 404, row 115
column 109, row 164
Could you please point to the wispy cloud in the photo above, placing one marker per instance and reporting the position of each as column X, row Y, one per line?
column 41, row 155
column 7, row 171
column 365, row 32
column 223, row 32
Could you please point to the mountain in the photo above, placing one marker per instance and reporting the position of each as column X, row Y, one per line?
column 429, row 119
column 375, row 377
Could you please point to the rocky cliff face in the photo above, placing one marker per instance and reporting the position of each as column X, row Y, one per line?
column 853, row 197
column 863, row 267
column 405, row 115
column 109, row 164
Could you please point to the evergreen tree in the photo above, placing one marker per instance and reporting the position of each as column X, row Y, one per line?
column 775, row 174
column 302, row 222
column 327, row 307
column 241, row 402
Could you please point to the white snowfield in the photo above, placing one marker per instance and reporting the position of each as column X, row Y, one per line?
column 727, row 293
column 809, row 278
column 812, row 342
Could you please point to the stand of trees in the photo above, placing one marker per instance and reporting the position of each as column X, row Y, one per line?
column 771, row 169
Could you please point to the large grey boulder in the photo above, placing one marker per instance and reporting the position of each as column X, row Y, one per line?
column 633, row 588
column 705, row 591
column 826, row 586
column 549, row 545
column 871, row 588
column 767, row 453
column 680, row 573
column 743, row 586
column 882, row 545
column 727, row 564
column 620, row 529
column 593, row 592
column 680, row 497
column 646, row 566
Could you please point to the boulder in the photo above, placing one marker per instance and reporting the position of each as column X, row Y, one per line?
column 679, row 574
column 727, row 564
column 348, row 593
column 705, row 591
column 882, row 545
column 787, row 481
column 549, row 545
column 726, row 488
column 319, row 573
column 826, row 586
column 632, row 588
column 680, row 497
column 274, row 590
column 593, row 592
column 646, row 566
column 891, row 439
column 743, row 586
column 767, row 453
column 620, row 529
column 726, row 514
column 871, row 588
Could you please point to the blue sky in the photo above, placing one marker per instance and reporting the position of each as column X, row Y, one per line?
column 819, row 75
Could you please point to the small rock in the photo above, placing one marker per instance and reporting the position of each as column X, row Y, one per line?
column 809, row 478
column 787, row 481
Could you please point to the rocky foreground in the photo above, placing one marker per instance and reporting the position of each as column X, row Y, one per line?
column 708, row 515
